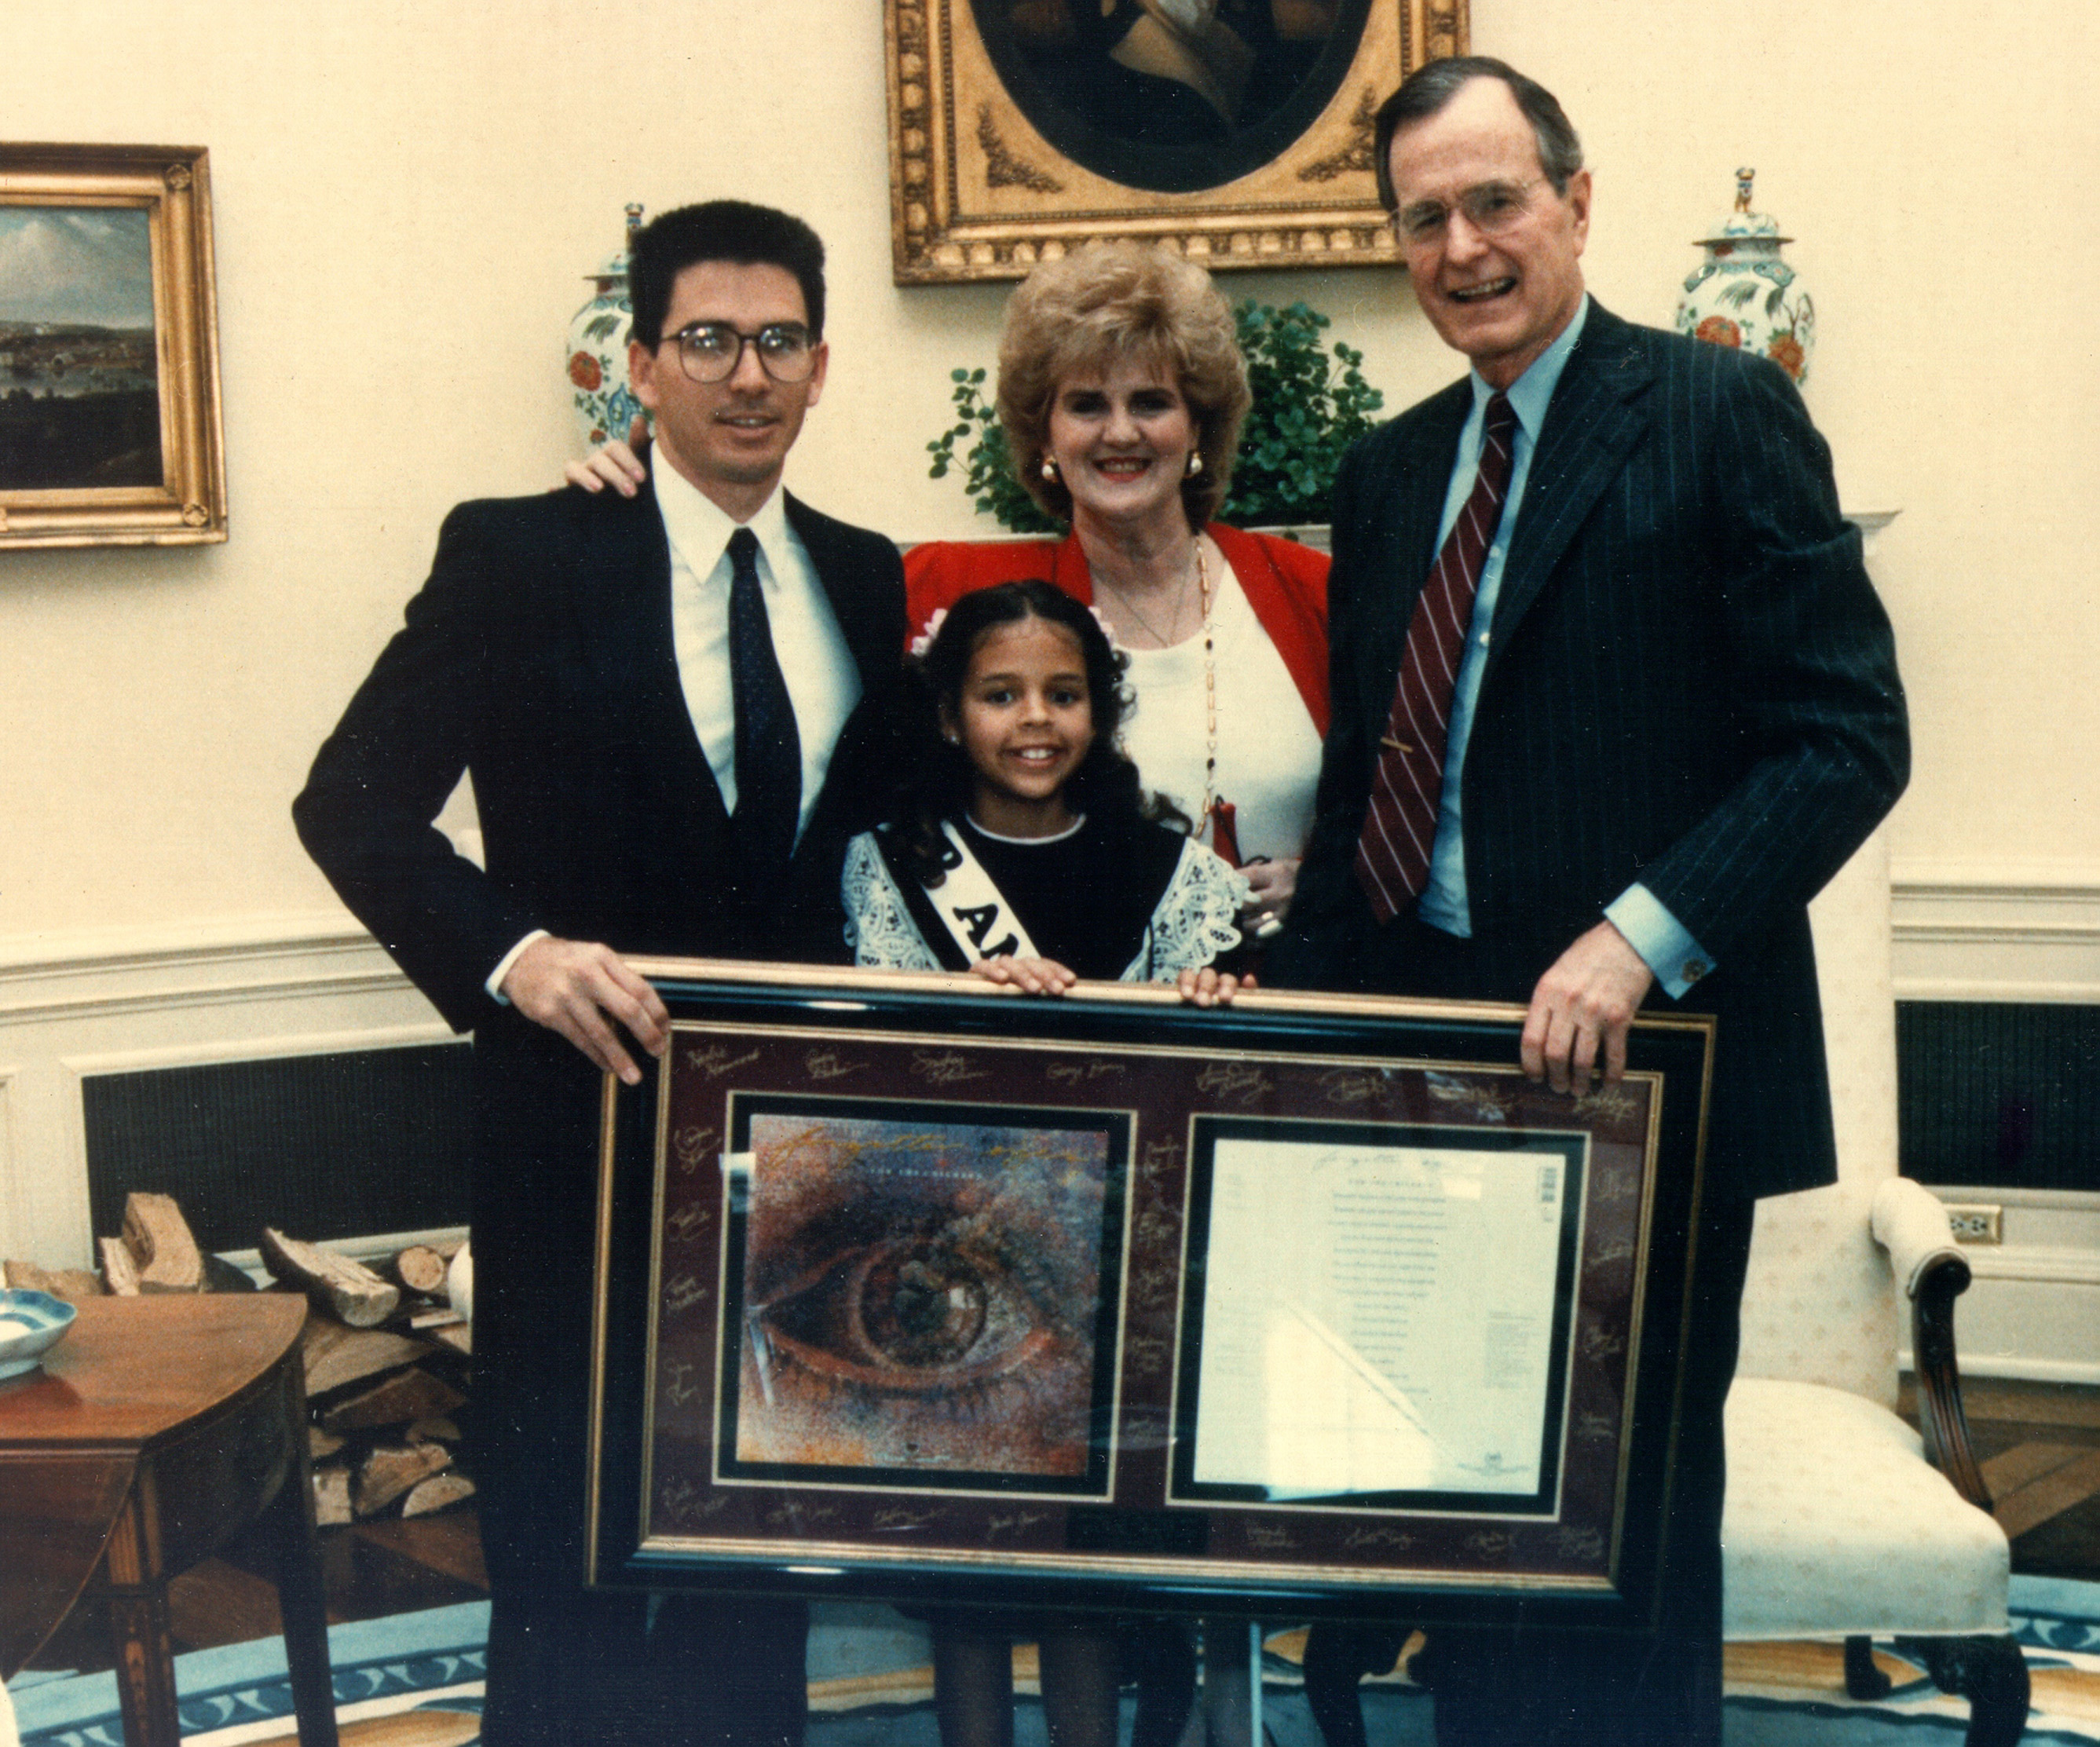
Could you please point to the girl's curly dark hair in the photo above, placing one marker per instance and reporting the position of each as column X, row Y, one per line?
column 939, row 778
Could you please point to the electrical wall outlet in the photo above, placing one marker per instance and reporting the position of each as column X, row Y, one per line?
column 1977, row 1222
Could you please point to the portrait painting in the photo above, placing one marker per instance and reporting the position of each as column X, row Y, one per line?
column 110, row 429
column 920, row 1296
column 79, row 390
column 1172, row 94
column 1237, row 132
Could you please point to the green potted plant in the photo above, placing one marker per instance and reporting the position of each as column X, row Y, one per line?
column 1311, row 402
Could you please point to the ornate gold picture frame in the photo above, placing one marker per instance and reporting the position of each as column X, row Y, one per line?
column 110, row 427
column 1237, row 131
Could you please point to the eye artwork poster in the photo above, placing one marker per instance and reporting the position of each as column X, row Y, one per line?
column 920, row 1297
column 909, row 1290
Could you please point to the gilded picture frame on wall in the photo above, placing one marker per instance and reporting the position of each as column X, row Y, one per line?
column 111, row 432
column 1237, row 131
column 908, row 1288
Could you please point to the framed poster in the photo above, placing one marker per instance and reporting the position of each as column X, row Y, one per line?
column 1237, row 131
column 110, row 427
column 915, row 1288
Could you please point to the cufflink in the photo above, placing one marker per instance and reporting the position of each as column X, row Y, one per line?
column 1694, row 969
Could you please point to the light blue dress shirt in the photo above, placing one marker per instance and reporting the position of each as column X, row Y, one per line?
column 1664, row 944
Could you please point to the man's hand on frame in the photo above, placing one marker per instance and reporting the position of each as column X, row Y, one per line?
column 582, row 989
column 1579, row 1010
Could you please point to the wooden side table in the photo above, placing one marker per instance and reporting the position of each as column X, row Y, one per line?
column 157, row 1429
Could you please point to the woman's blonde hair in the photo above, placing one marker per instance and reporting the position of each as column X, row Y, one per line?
column 1108, row 302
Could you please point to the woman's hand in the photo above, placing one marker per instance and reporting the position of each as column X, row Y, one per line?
column 1210, row 987
column 1271, row 886
column 1030, row 976
column 616, row 464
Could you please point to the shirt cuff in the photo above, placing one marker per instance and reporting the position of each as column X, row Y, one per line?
column 1678, row 961
column 495, row 983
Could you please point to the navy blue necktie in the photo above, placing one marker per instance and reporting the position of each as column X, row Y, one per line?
column 769, row 751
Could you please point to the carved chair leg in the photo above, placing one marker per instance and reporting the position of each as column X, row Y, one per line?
column 1988, row 1671
column 1864, row 1679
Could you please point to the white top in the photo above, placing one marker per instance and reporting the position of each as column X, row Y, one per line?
column 823, row 684
column 1269, row 752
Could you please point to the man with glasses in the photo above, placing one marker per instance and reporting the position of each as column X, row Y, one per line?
column 674, row 707
column 1613, row 698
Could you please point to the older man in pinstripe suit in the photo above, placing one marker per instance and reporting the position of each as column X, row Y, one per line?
column 1675, row 713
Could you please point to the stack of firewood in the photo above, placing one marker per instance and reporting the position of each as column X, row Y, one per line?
column 156, row 1253
column 387, row 1355
column 384, row 1352
column 385, row 1422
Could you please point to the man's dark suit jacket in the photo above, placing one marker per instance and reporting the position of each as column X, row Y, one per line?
column 1689, row 683
column 538, row 658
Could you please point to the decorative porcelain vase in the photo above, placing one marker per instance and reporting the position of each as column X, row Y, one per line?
column 1744, row 295
column 604, row 405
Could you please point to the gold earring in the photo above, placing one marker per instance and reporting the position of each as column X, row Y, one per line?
column 1195, row 463
column 1049, row 470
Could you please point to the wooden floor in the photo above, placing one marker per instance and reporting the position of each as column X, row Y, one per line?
column 2040, row 1444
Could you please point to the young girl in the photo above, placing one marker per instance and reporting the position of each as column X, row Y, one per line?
column 1023, row 850
column 1023, row 847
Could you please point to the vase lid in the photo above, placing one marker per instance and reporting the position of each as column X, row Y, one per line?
column 615, row 264
column 1742, row 225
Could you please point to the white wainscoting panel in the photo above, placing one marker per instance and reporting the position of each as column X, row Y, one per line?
column 124, row 1000
column 2011, row 934
column 1996, row 934
column 8, row 1189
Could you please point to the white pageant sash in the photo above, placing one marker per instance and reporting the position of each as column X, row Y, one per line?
column 975, row 911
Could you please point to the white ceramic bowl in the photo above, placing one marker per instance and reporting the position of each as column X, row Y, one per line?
column 30, row 1322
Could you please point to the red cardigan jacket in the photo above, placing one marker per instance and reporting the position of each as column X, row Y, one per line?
column 1285, row 584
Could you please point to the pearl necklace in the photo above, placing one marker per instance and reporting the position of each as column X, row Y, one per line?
column 1210, row 691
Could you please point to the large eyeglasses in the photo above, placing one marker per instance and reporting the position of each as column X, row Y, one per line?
column 709, row 351
column 1493, row 209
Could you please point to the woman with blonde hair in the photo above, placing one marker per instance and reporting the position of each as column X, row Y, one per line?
column 1122, row 390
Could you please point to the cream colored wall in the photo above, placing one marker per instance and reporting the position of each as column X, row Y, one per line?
column 408, row 194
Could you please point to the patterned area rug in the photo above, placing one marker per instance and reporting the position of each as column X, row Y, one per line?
column 415, row 1680
column 410, row 1680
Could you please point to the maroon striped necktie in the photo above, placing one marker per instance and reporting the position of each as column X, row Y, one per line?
column 1392, row 853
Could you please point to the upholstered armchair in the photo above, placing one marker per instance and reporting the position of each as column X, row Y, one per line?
column 1840, row 1521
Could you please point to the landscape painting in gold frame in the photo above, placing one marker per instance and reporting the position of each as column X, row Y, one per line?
column 1236, row 131
column 110, row 427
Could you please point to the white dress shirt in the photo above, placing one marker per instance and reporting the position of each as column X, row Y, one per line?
column 823, row 684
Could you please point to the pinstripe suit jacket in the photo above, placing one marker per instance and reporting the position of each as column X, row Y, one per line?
column 1690, row 683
